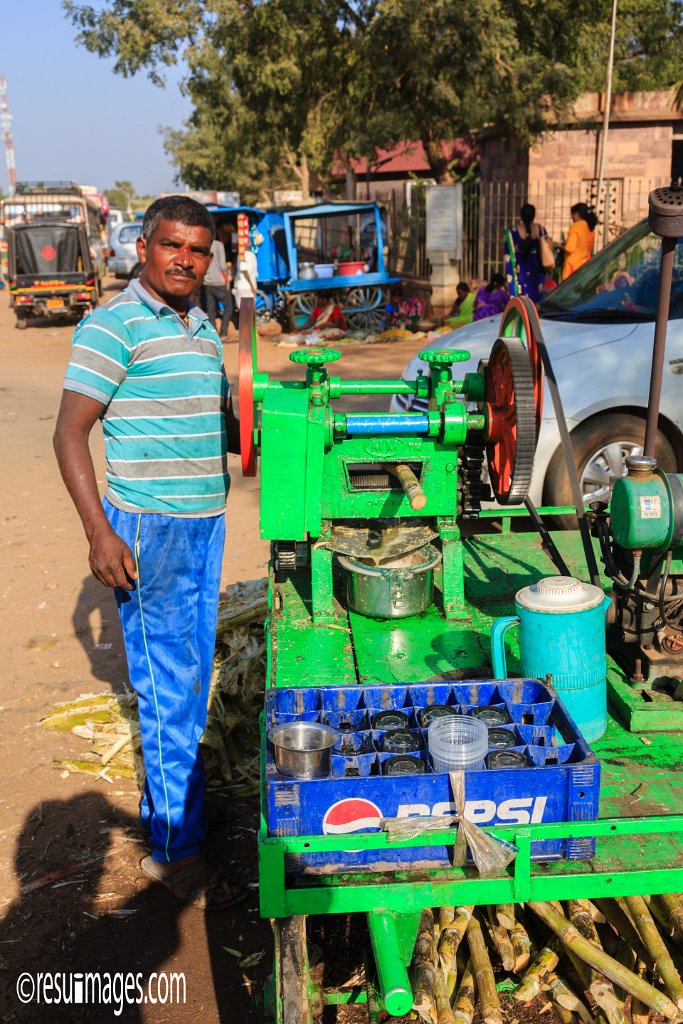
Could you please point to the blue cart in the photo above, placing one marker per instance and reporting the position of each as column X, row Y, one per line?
column 338, row 247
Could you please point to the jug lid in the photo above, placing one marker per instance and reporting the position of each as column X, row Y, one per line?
column 559, row 594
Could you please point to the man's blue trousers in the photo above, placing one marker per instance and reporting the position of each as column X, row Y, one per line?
column 169, row 630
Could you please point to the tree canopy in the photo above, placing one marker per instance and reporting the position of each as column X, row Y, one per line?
column 283, row 89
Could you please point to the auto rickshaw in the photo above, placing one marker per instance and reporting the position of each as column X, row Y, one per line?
column 51, row 272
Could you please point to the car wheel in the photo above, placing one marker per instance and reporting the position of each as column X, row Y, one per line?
column 601, row 448
column 21, row 323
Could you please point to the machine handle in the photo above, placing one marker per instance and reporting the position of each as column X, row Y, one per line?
column 410, row 484
column 498, row 631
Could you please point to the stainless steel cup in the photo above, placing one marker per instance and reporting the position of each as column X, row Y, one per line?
column 303, row 749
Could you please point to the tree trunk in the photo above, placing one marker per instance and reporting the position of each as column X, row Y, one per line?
column 438, row 162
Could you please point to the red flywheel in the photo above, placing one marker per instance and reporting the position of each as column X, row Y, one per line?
column 511, row 420
column 246, row 360
column 520, row 320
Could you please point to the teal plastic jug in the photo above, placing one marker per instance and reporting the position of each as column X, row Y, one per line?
column 562, row 632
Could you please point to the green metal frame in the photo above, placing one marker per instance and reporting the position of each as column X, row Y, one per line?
column 412, row 892
column 306, row 454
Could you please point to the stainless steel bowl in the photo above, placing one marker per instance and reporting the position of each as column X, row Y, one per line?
column 402, row 587
column 303, row 749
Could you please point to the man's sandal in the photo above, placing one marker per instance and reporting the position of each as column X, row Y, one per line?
column 217, row 893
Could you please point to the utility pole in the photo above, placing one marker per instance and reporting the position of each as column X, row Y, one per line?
column 605, row 128
column 6, row 119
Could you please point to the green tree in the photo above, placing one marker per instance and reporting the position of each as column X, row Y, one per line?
column 121, row 195
column 280, row 88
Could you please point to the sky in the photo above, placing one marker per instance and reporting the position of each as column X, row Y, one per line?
column 72, row 117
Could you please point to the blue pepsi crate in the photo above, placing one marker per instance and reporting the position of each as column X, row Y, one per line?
column 561, row 780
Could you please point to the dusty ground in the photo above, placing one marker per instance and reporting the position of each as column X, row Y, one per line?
column 72, row 897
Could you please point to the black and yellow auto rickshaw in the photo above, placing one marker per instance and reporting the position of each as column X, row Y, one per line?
column 50, row 271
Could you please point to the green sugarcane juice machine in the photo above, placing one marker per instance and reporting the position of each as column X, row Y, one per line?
column 386, row 571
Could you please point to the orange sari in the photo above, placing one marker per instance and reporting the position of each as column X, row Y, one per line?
column 578, row 248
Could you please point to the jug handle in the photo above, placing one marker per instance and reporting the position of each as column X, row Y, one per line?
column 498, row 631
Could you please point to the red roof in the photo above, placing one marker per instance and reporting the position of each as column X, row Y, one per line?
column 409, row 157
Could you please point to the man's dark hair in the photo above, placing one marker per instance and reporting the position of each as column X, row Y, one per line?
column 182, row 210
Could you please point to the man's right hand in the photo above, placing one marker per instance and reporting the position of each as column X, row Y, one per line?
column 111, row 560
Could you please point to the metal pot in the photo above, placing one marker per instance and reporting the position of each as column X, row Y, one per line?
column 303, row 749
column 307, row 272
column 396, row 590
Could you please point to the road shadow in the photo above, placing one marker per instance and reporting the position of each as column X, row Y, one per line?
column 85, row 906
column 63, row 922
column 96, row 624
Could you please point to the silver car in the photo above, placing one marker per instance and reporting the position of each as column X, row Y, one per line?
column 599, row 328
column 123, row 257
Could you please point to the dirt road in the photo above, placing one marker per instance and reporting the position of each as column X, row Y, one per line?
column 72, row 897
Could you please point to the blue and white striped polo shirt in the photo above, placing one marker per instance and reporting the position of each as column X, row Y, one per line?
column 165, row 392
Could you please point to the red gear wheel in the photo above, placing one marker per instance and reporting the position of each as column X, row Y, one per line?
column 246, row 362
column 511, row 420
column 520, row 320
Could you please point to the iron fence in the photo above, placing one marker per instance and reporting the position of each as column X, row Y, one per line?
column 491, row 207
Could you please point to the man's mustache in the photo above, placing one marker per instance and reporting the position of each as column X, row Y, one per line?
column 178, row 271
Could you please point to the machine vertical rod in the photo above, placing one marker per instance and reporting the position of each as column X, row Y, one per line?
column 392, row 976
column 657, row 372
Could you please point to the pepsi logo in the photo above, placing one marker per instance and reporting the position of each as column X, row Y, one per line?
column 351, row 815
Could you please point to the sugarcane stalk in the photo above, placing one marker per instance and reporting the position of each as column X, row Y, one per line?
column 656, row 946
column 424, row 979
column 599, row 987
column 562, row 996
column 596, row 914
column 620, row 920
column 444, row 1014
column 483, row 972
column 565, row 1016
column 532, row 982
column 597, row 958
column 424, row 967
column 640, row 1013
column 505, row 913
column 453, row 922
column 673, row 912
column 521, row 946
column 463, row 1006
column 501, row 941
column 424, row 943
column 656, row 911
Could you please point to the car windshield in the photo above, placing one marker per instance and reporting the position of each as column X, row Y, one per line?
column 621, row 281
column 129, row 233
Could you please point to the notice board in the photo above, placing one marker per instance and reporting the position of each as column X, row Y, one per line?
column 444, row 219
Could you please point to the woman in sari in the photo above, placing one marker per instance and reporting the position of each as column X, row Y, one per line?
column 523, row 267
column 578, row 248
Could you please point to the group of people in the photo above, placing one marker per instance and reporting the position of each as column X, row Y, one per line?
column 530, row 258
column 216, row 294
column 529, row 263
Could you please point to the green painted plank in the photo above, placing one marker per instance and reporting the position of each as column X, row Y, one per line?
column 304, row 654
column 417, row 649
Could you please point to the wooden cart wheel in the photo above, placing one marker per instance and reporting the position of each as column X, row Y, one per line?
column 520, row 320
column 246, row 365
column 363, row 308
column 292, row 972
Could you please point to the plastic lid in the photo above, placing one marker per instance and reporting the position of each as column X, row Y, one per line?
column 559, row 594
column 457, row 741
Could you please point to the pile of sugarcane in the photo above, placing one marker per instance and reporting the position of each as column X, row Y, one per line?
column 109, row 722
column 601, row 960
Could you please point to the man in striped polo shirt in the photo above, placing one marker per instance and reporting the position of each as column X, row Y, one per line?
column 148, row 364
